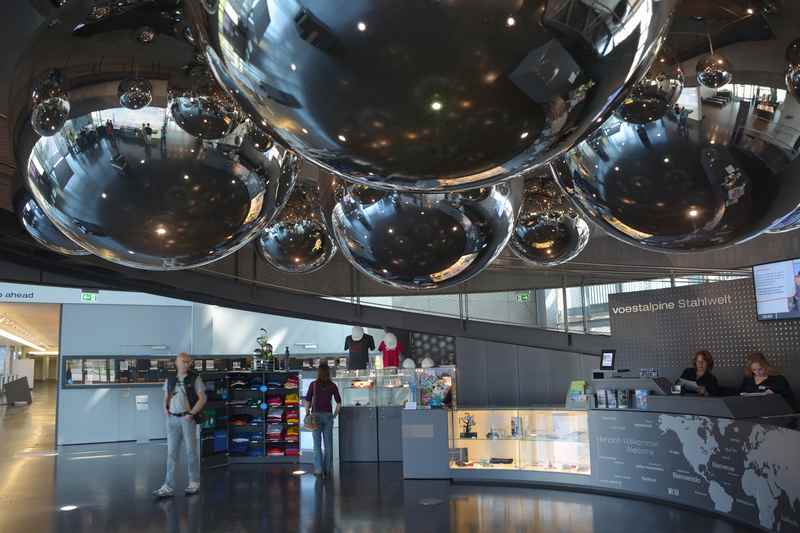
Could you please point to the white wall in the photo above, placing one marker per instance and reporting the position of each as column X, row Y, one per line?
column 235, row 332
column 125, row 329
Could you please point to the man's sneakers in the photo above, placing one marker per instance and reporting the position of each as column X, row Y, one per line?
column 164, row 492
column 193, row 488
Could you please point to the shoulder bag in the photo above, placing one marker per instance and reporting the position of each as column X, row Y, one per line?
column 311, row 421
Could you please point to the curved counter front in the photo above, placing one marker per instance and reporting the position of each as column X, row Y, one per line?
column 747, row 470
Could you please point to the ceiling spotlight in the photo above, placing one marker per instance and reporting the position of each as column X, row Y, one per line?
column 161, row 231
column 104, row 195
column 436, row 106
column 298, row 472
column 693, row 213
column 342, row 138
column 361, row 26
column 524, row 135
column 511, row 21
column 294, row 67
column 68, row 508
column 750, row 11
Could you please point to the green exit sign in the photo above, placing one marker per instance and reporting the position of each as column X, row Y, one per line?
column 523, row 297
column 90, row 297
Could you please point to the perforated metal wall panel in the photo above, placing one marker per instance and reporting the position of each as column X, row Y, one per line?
column 441, row 349
column 718, row 317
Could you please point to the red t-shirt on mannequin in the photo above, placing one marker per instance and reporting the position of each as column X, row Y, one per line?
column 391, row 356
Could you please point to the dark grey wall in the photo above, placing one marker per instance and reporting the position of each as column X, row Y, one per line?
column 667, row 339
column 508, row 375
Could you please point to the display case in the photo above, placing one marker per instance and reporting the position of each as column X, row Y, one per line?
column 539, row 440
column 387, row 387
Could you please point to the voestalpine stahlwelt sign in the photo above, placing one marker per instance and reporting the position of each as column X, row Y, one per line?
column 671, row 305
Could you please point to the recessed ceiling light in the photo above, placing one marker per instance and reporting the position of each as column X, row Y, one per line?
column 299, row 472
column 511, row 21
column 342, row 138
column 68, row 508
column 361, row 26
column 436, row 106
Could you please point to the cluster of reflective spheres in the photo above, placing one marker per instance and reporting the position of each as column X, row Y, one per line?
column 436, row 155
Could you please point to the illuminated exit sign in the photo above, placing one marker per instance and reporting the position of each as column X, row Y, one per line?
column 523, row 297
column 89, row 297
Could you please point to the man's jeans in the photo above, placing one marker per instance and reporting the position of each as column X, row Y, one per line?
column 324, row 431
column 180, row 430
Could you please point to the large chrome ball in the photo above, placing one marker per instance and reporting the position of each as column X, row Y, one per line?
column 714, row 71
column 298, row 241
column 165, row 202
column 50, row 105
column 425, row 241
column 135, row 93
column 42, row 230
column 656, row 94
column 548, row 231
column 206, row 112
column 353, row 90
column 681, row 185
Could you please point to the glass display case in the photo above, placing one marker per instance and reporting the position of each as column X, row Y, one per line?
column 541, row 440
column 433, row 386
column 384, row 387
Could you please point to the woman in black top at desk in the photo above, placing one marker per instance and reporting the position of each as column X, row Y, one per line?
column 701, row 374
column 760, row 377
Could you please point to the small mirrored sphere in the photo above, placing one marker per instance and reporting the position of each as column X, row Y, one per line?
column 50, row 105
column 164, row 201
column 298, row 241
column 206, row 112
column 260, row 139
column 793, row 52
column 714, row 71
column 793, row 81
column 682, row 184
column 135, row 93
column 425, row 240
column 548, row 231
column 353, row 91
column 656, row 94
column 42, row 230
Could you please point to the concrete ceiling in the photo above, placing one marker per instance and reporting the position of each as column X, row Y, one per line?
column 36, row 323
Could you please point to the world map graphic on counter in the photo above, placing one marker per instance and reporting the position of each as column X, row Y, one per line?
column 768, row 484
column 747, row 470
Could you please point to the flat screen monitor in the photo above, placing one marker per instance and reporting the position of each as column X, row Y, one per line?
column 777, row 287
column 607, row 359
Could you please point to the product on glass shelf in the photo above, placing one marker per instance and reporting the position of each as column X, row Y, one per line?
column 501, row 461
column 292, row 451
column 275, row 451
column 516, row 427
column 468, row 424
column 241, row 420
column 292, row 399
column 274, row 399
column 493, row 434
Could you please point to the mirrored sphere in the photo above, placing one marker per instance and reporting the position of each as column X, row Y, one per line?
column 354, row 91
column 164, row 201
column 260, row 139
column 298, row 241
column 42, row 230
column 657, row 93
column 682, row 184
column 714, row 71
column 425, row 241
column 50, row 105
column 793, row 81
column 135, row 93
column 207, row 112
column 793, row 52
column 548, row 231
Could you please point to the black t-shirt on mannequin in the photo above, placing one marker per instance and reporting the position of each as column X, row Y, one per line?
column 359, row 351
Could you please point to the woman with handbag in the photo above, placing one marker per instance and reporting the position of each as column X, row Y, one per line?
column 319, row 406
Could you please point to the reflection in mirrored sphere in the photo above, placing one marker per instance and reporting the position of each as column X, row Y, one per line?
column 355, row 92
column 425, row 241
column 793, row 70
column 260, row 139
column 206, row 112
column 162, row 202
column 683, row 185
column 656, row 94
column 714, row 71
column 298, row 241
column 135, row 93
column 50, row 105
column 42, row 230
column 548, row 231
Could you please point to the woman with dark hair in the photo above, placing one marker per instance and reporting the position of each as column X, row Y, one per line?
column 761, row 377
column 318, row 401
column 700, row 373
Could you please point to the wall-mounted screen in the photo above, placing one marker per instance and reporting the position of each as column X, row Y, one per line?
column 777, row 287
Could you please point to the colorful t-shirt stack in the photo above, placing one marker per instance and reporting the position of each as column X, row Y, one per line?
column 293, row 415
column 292, row 398
column 292, row 383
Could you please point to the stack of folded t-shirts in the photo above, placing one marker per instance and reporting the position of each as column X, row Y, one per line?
column 275, row 451
column 239, row 384
column 292, row 415
column 256, row 421
column 292, row 434
column 220, row 440
column 241, row 420
column 275, row 383
column 254, row 403
column 292, row 399
column 274, row 399
column 240, row 445
column 293, row 382
column 274, row 432
column 275, row 414
column 292, row 451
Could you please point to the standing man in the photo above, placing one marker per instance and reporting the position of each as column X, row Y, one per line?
column 184, row 398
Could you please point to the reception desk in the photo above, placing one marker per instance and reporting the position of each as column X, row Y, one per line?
column 746, row 469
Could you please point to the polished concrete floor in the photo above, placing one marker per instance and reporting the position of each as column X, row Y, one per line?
column 110, row 487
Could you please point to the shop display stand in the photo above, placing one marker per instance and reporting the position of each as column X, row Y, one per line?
column 214, row 429
column 250, row 396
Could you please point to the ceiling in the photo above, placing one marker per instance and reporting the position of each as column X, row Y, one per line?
column 36, row 323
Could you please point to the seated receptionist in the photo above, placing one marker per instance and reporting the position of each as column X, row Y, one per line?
column 700, row 372
column 760, row 377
